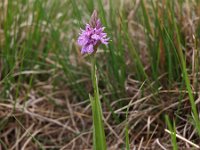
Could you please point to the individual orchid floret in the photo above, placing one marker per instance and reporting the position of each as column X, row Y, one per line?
column 93, row 35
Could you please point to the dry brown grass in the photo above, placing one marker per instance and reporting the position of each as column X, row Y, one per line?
column 39, row 122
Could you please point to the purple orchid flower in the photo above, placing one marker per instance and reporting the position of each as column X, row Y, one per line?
column 93, row 35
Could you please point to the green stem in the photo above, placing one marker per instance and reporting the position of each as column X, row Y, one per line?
column 99, row 140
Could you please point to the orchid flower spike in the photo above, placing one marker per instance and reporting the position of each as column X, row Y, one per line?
column 93, row 35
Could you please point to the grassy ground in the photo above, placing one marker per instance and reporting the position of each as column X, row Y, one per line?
column 151, row 66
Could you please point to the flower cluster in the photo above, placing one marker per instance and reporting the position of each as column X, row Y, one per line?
column 93, row 35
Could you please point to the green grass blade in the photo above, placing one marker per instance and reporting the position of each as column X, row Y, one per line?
column 173, row 133
column 102, row 12
column 127, row 139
